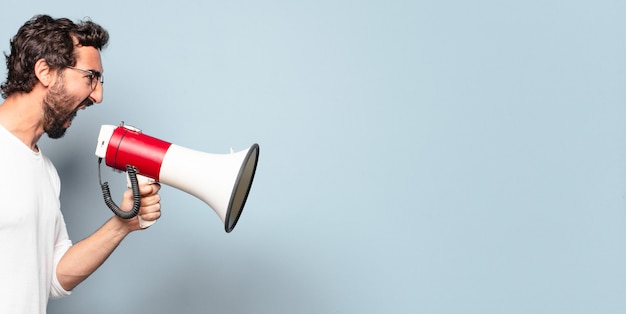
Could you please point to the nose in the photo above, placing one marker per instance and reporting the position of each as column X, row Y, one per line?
column 97, row 93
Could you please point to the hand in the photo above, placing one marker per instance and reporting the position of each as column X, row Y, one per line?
column 150, row 206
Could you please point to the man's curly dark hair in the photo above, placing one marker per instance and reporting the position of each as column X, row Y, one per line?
column 54, row 41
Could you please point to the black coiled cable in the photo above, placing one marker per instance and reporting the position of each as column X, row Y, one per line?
column 134, row 185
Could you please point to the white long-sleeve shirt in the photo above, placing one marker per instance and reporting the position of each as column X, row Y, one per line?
column 33, row 236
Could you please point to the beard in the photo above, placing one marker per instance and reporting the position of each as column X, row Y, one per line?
column 57, row 105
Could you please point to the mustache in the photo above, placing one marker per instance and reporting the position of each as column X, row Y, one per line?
column 87, row 102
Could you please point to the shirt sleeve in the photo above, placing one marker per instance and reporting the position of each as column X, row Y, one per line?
column 62, row 244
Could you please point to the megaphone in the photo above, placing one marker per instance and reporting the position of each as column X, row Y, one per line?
column 222, row 181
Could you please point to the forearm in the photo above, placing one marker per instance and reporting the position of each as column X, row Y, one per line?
column 84, row 257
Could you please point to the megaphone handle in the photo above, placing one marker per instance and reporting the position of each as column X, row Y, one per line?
column 142, row 180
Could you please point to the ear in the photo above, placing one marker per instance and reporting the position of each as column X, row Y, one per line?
column 44, row 73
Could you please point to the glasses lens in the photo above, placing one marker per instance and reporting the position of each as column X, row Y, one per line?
column 95, row 77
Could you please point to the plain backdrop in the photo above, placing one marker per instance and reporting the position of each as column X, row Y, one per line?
column 416, row 156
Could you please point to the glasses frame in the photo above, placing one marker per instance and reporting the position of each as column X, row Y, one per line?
column 93, row 75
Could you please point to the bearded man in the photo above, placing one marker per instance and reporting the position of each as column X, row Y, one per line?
column 54, row 70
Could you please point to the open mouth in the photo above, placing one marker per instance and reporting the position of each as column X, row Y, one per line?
column 82, row 106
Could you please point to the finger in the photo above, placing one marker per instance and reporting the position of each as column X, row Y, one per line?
column 151, row 212
column 151, row 216
column 149, row 189
column 128, row 194
column 150, row 200
column 150, row 209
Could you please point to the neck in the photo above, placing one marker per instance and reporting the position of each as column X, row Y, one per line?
column 22, row 115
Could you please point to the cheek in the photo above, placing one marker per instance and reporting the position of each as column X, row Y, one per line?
column 76, row 89
column 60, row 100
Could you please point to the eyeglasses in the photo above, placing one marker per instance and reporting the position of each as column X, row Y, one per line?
column 93, row 75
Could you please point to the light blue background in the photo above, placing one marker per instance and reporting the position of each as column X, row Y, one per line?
column 416, row 156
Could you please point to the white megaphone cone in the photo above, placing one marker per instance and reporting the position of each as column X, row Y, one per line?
column 222, row 181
